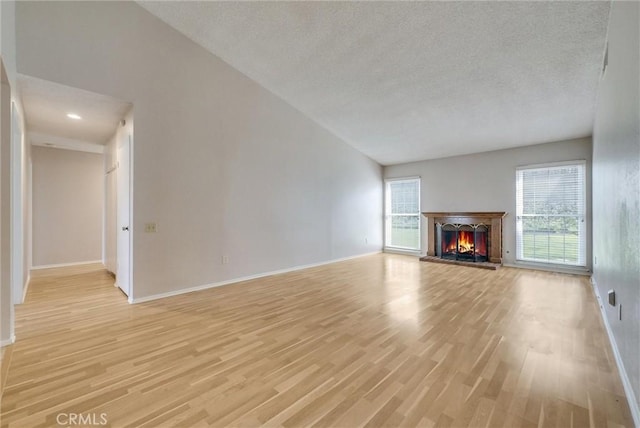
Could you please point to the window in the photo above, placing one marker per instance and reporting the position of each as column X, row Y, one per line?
column 550, row 210
column 402, row 209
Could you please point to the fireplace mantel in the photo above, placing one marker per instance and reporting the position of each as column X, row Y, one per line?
column 491, row 219
column 479, row 214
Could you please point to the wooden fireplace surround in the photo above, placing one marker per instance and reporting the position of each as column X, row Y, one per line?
column 491, row 219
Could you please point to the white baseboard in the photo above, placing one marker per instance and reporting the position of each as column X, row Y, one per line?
column 626, row 383
column 245, row 278
column 550, row 268
column 65, row 264
column 416, row 253
column 11, row 341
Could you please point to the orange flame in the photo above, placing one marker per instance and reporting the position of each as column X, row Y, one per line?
column 465, row 243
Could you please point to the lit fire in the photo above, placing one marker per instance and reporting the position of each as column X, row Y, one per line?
column 465, row 244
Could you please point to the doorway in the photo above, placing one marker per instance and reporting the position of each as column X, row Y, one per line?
column 77, row 137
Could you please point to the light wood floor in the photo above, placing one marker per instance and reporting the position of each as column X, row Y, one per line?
column 382, row 340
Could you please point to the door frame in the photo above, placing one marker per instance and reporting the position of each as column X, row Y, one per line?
column 17, row 208
column 7, row 314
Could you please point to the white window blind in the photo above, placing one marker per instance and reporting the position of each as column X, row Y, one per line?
column 402, row 209
column 550, row 214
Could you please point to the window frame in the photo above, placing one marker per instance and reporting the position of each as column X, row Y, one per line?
column 388, row 215
column 582, row 217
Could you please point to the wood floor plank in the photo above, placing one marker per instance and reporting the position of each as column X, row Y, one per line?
column 378, row 341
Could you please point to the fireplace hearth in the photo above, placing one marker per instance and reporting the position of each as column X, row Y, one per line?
column 469, row 238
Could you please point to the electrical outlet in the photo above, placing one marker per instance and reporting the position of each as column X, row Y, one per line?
column 225, row 260
column 150, row 227
column 366, row 240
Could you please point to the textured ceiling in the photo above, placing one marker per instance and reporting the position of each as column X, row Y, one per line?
column 46, row 105
column 406, row 81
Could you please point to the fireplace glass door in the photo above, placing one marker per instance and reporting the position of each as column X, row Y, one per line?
column 467, row 242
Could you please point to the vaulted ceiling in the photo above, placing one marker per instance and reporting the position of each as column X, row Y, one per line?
column 406, row 81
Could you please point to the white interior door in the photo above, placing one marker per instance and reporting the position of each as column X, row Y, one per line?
column 123, row 273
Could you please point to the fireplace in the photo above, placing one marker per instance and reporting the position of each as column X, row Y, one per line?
column 469, row 242
column 471, row 238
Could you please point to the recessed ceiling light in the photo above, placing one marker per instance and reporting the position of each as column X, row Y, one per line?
column 73, row 116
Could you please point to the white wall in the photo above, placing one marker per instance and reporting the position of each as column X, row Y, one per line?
column 487, row 182
column 109, row 238
column 221, row 164
column 68, row 204
column 8, row 40
column 616, row 187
